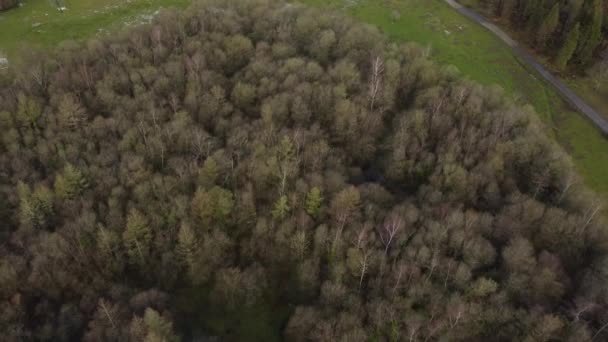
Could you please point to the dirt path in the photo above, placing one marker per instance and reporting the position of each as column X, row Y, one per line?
column 560, row 86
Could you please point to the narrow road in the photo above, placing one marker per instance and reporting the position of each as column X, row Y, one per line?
column 561, row 87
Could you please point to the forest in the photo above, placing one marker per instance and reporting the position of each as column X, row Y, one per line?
column 266, row 157
column 572, row 32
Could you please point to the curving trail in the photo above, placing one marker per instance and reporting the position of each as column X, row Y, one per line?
column 561, row 87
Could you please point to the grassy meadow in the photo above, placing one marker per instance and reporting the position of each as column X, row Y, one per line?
column 40, row 23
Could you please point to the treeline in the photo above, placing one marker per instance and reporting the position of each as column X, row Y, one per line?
column 570, row 31
column 249, row 154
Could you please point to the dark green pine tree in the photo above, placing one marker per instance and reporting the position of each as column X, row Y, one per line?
column 574, row 11
column 530, row 14
column 508, row 7
column 547, row 27
column 591, row 32
column 565, row 53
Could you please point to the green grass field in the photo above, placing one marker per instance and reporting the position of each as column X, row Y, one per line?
column 39, row 22
column 597, row 98
column 452, row 38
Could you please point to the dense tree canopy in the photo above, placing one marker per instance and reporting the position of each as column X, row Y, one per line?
column 257, row 156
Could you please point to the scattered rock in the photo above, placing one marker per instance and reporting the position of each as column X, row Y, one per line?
column 350, row 3
column 3, row 63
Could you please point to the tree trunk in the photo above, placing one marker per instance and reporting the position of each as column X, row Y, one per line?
column 8, row 4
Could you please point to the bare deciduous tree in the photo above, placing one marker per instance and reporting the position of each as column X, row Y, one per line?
column 389, row 230
column 570, row 181
column 591, row 213
column 580, row 307
column 375, row 81
column 364, row 264
column 103, row 305
column 407, row 270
